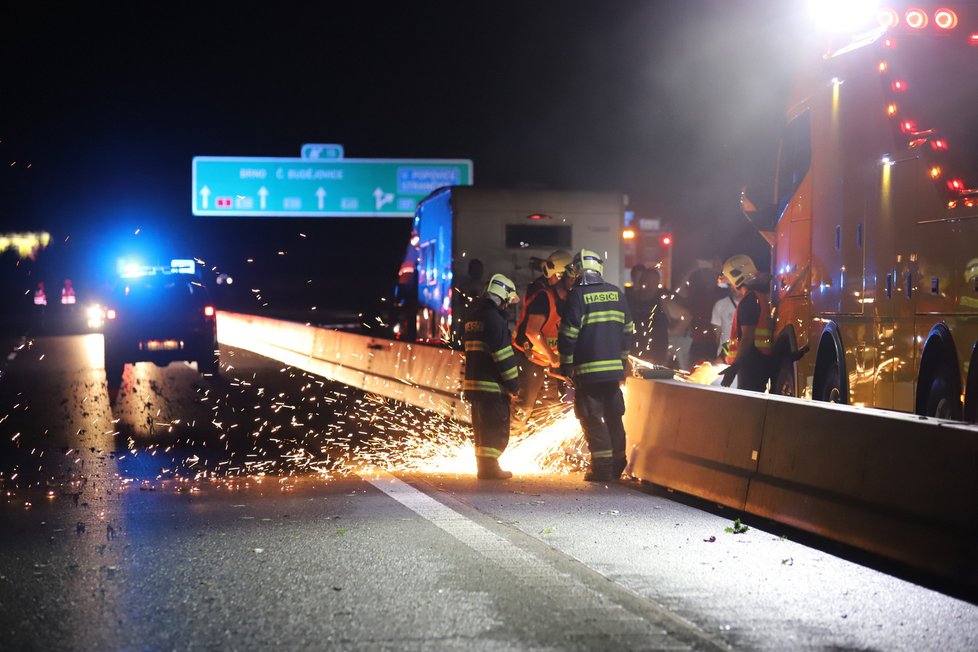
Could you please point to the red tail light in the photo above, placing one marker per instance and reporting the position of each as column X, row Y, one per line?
column 888, row 18
column 916, row 18
column 945, row 19
column 110, row 313
column 209, row 311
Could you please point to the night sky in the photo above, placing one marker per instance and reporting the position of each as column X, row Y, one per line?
column 676, row 104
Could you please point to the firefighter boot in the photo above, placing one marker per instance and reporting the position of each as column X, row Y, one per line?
column 601, row 471
column 618, row 466
column 489, row 469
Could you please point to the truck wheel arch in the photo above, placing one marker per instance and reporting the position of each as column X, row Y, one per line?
column 938, row 366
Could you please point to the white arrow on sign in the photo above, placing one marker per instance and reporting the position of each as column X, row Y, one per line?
column 263, row 196
column 205, row 193
column 320, row 194
column 382, row 198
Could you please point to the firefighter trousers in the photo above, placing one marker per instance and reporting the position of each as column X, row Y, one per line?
column 490, row 424
column 599, row 407
column 755, row 371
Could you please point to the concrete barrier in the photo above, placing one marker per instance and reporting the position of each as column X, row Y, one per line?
column 695, row 439
column 893, row 484
column 425, row 376
column 897, row 485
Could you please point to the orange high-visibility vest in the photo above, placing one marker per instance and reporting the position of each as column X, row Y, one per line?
column 549, row 330
column 762, row 332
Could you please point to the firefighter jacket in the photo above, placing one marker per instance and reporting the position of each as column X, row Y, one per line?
column 490, row 365
column 596, row 333
column 762, row 331
column 549, row 329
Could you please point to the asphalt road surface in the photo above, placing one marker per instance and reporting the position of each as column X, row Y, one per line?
column 148, row 525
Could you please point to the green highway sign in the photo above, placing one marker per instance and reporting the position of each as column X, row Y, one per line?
column 296, row 187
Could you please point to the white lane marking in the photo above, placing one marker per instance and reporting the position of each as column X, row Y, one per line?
column 568, row 594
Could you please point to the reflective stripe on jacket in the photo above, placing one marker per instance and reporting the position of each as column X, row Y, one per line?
column 595, row 333
column 490, row 365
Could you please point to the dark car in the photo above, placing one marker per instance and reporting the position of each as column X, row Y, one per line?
column 160, row 317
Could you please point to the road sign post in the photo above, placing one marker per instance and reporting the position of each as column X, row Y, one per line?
column 295, row 187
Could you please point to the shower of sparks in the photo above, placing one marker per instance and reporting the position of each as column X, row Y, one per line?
column 275, row 436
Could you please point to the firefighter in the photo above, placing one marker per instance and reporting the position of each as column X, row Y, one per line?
column 752, row 362
column 491, row 375
column 596, row 333
column 535, row 339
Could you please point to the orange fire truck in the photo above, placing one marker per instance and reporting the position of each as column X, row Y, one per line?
column 874, row 223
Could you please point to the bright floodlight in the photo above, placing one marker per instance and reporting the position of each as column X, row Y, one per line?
column 843, row 15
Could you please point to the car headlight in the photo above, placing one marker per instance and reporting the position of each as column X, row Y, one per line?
column 95, row 315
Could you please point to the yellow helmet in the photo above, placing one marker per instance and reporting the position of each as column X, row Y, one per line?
column 556, row 263
column 740, row 270
column 503, row 288
column 585, row 259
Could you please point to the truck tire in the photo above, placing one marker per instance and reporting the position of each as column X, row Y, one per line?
column 942, row 403
column 829, row 388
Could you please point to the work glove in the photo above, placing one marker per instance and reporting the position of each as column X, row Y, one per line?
column 728, row 375
column 554, row 372
column 567, row 371
column 797, row 355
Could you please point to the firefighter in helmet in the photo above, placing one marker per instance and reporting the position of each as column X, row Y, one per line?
column 752, row 362
column 491, row 375
column 535, row 339
column 595, row 338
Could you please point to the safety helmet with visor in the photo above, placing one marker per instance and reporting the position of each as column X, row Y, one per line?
column 500, row 286
column 586, row 260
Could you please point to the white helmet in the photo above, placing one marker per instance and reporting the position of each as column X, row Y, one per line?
column 740, row 270
column 503, row 288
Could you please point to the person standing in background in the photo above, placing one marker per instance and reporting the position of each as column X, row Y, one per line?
column 753, row 360
column 723, row 315
column 651, row 341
